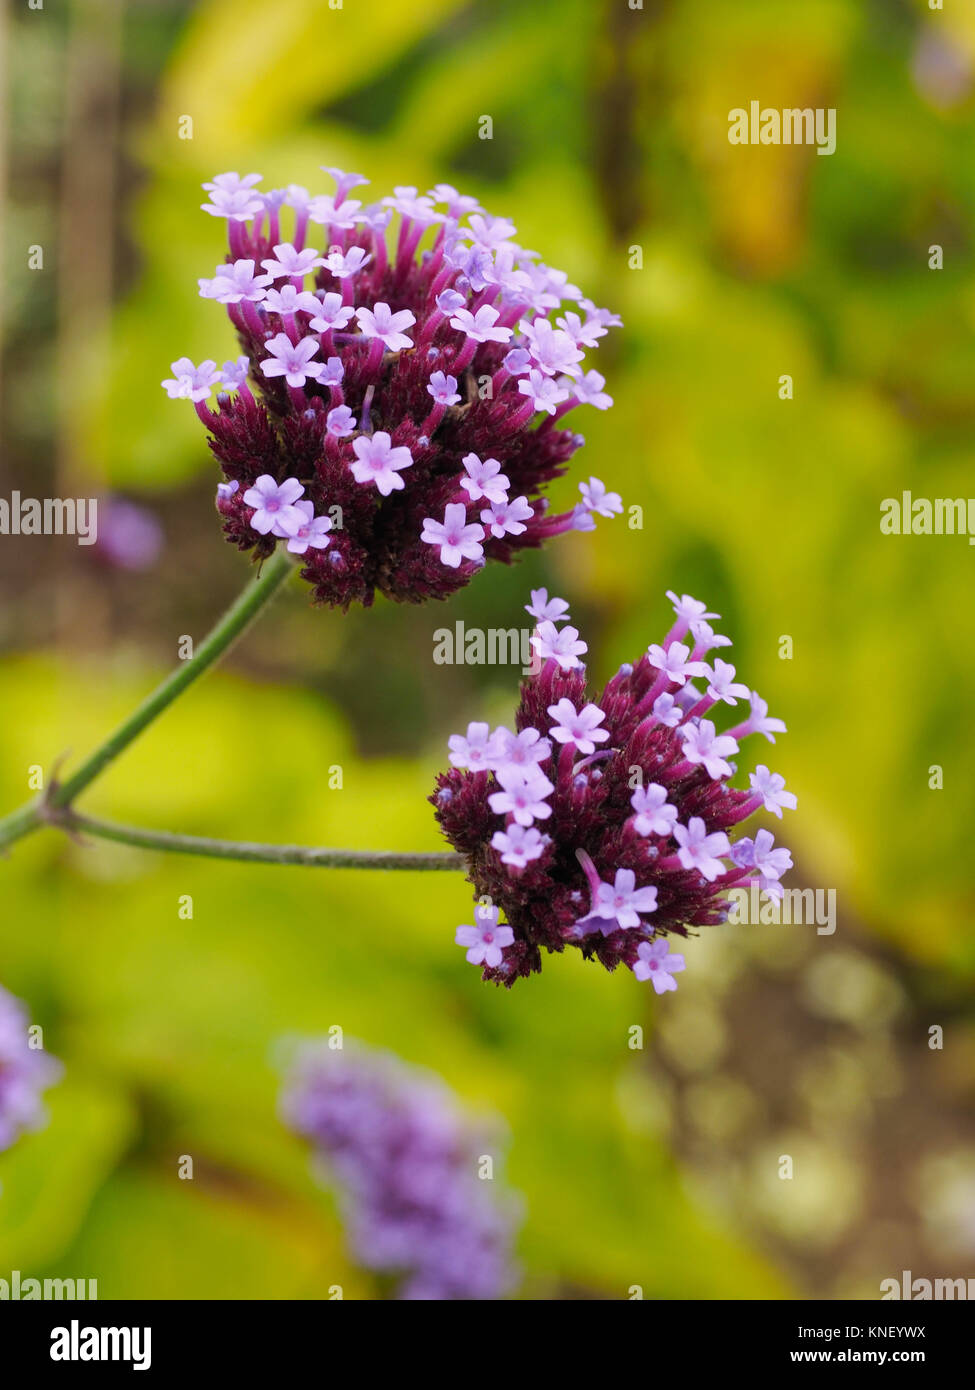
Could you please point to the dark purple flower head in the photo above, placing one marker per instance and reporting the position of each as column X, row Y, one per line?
column 411, row 390
column 25, row 1071
column 408, row 1165
column 604, row 824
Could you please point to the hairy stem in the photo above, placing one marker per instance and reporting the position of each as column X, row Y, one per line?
column 49, row 807
column 252, row 852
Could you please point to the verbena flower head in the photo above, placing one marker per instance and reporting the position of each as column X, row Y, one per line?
column 606, row 824
column 25, row 1072
column 405, row 368
column 406, row 1162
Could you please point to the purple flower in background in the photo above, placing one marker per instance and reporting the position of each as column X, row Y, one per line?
column 25, row 1071
column 637, row 831
column 402, row 330
column 129, row 535
column 406, row 1163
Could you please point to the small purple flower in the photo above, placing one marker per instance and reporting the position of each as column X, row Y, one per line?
column 674, row 663
column 596, row 499
column 312, row 534
column 655, row 962
column 388, row 327
column 457, row 540
column 723, row 685
column 667, row 711
column 523, row 794
column 703, row 745
column 759, row 854
column 234, row 373
column 507, row 517
column 236, row 204
column 544, row 393
column 551, row 350
column 332, row 313
column 340, row 422
column 618, row 905
column 289, row 262
column 231, row 183
column 480, row 327
column 545, row 609
column 234, row 283
column 485, row 939
column 654, row 814
column 588, row 390
column 758, row 721
column 519, row 750
column 191, row 383
column 477, row 749
column 579, row 727
column 701, row 851
column 518, row 846
column 443, row 389
column 484, row 480
column 770, row 786
column 561, row 645
column 706, row 639
column 346, row 265
column 292, row 360
column 376, row 461
column 275, row 512
column 288, row 300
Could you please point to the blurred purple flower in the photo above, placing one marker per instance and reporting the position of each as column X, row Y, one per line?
column 406, row 1162
column 25, row 1071
column 129, row 535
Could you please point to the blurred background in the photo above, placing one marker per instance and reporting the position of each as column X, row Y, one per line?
column 658, row 1166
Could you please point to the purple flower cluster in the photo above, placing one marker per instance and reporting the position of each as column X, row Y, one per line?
column 604, row 824
column 407, row 1166
column 393, row 418
column 25, row 1072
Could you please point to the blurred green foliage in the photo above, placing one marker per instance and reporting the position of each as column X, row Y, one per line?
column 610, row 133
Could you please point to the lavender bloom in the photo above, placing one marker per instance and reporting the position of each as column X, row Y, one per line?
column 436, row 339
column 633, row 803
column 129, row 535
column 405, row 1161
column 24, row 1073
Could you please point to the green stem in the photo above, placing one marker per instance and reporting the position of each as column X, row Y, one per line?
column 218, row 641
column 254, row 853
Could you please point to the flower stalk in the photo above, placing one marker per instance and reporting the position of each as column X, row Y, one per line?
column 55, row 806
column 251, row 852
